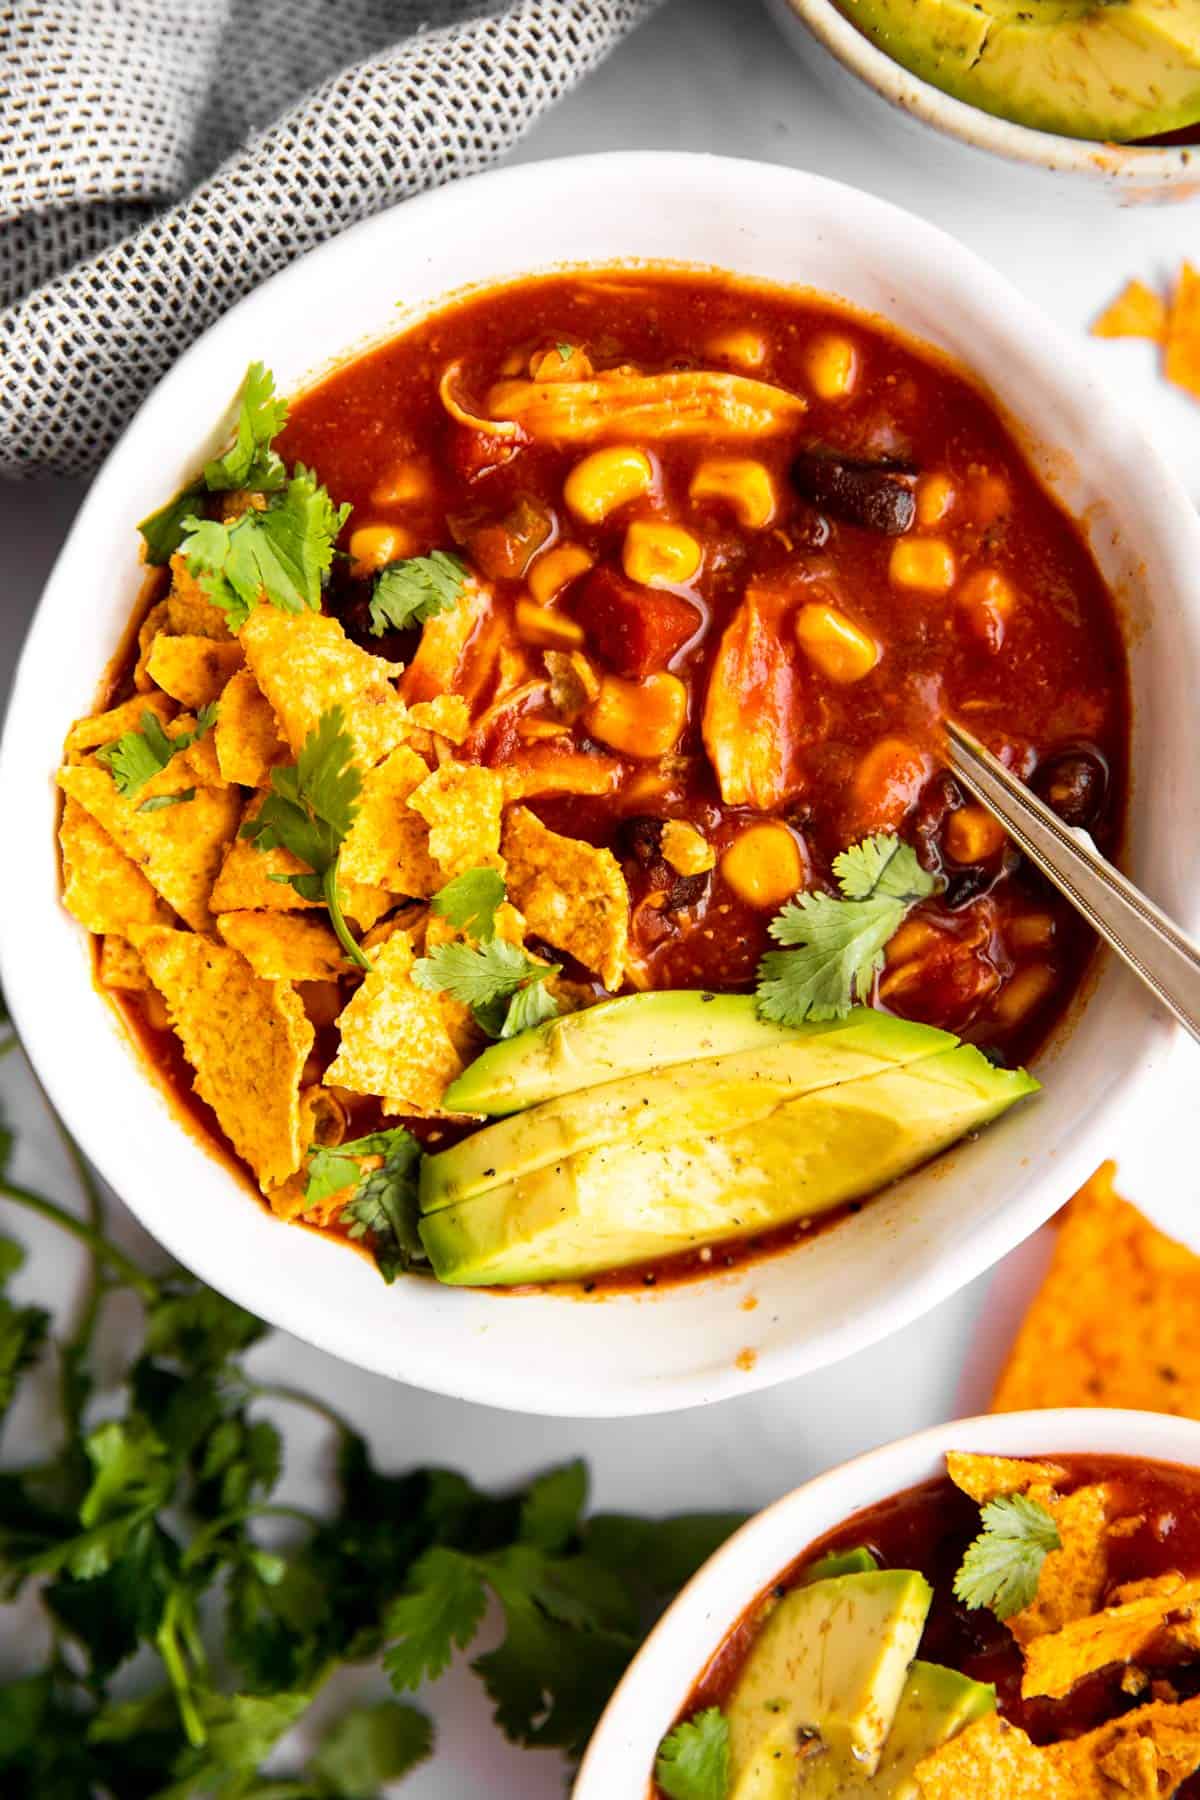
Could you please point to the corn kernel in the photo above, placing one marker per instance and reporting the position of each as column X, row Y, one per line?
column 988, row 497
column 533, row 730
column 372, row 547
column 924, row 563
column 660, row 555
column 1031, row 931
column 648, row 787
column 607, row 479
column 935, row 499
column 837, row 646
column 744, row 348
column 548, row 630
column 745, row 486
column 764, row 866
column 406, row 481
column 1027, row 989
column 640, row 718
column 988, row 602
column 973, row 835
column 914, row 937
column 553, row 569
column 687, row 850
column 832, row 364
column 554, row 365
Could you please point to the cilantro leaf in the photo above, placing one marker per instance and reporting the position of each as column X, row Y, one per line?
column 251, row 463
column 565, row 351
column 1002, row 1567
column 22, row 1333
column 693, row 1759
column 369, row 1746
column 383, row 1205
column 279, row 554
column 160, row 802
column 409, row 592
column 163, row 531
column 136, row 757
column 440, row 1613
column 553, row 1506
column 471, row 901
column 836, row 944
column 311, row 808
column 499, row 981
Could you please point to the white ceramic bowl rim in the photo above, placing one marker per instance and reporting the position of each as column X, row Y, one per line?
column 912, row 1246
column 619, row 1760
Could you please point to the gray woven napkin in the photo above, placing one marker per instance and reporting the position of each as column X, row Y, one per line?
column 158, row 158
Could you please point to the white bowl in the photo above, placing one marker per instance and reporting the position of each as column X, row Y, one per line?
column 917, row 1243
column 909, row 110
column 655, row 1687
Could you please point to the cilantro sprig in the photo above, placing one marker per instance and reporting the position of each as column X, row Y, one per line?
column 501, row 983
column 1002, row 1567
column 693, row 1759
column 280, row 553
column 409, row 592
column 383, row 1206
column 835, row 944
column 136, row 757
column 310, row 810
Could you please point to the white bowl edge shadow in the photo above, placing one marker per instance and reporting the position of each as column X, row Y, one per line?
column 911, row 1247
column 620, row 1757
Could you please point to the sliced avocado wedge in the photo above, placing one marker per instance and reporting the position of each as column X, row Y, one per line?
column 1107, row 69
column 712, row 1094
column 935, row 1705
column 627, row 1036
column 858, row 1561
column 628, row 1201
column 830, row 1664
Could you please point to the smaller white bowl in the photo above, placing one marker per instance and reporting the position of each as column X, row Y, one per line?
column 620, row 1758
column 910, row 110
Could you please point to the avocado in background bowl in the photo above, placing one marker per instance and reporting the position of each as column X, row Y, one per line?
column 1111, row 70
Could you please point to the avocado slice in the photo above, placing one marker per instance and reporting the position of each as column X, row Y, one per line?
column 858, row 1561
column 829, row 1667
column 628, row 1201
column 626, row 1036
column 664, row 1105
column 1107, row 69
column 935, row 1705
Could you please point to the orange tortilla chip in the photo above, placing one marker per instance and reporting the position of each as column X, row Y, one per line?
column 246, row 735
column 1072, row 1580
column 1076, row 1348
column 990, row 1760
column 984, row 1478
column 87, row 735
column 155, row 621
column 305, row 664
column 443, row 647
column 461, row 803
column 244, row 883
column 1181, row 360
column 246, row 1039
column 1137, row 311
column 190, row 612
column 179, row 849
column 121, row 967
column 285, row 946
column 1142, row 1755
column 388, row 846
column 394, row 1038
column 102, row 888
column 446, row 714
column 1134, row 1631
column 571, row 893
column 193, row 670
column 323, row 1120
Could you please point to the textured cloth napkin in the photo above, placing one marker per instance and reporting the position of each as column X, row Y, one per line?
column 158, row 158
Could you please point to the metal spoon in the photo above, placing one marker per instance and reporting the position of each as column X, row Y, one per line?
column 1156, row 949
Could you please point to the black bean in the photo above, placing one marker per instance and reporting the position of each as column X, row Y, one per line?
column 968, row 884
column 686, row 891
column 640, row 837
column 1074, row 784
column 876, row 495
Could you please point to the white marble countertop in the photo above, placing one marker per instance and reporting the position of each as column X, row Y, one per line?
column 704, row 75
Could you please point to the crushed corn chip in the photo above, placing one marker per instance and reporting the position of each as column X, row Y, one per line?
column 193, row 670
column 1137, row 311
column 394, row 1038
column 120, row 966
column 178, row 848
column 443, row 645
column 244, row 883
column 1141, row 1755
column 1181, row 360
column 461, row 804
column 246, row 1039
column 305, row 664
column 388, row 846
column 323, row 1120
column 246, row 736
column 106, row 727
column 285, row 946
column 1076, row 1348
column 156, row 620
column 447, row 714
column 984, row 1478
column 1072, row 1581
column 102, row 888
column 990, row 1760
column 1139, row 1630
column 571, row 893
column 190, row 612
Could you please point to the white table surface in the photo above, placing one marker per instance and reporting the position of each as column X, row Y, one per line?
column 702, row 75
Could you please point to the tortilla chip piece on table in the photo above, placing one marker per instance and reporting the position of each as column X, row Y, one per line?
column 388, row 845
column 1137, row 311
column 571, row 893
column 246, row 735
column 246, row 1039
column 193, row 670
column 394, row 1041
column 90, row 734
column 1181, row 359
column 179, row 849
column 1116, row 1321
column 102, row 888
column 285, row 946
column 1142, row 1755
column 461, row 803
column 305, row 664
column 1154, row 1628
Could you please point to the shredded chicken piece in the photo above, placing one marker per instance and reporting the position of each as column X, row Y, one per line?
column 677, row 404
column 460, row 411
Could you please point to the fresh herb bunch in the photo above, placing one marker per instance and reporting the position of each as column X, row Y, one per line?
column 145, row 1533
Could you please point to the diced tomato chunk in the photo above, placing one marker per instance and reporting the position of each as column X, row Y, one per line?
column 473, row 453
column 635, row 630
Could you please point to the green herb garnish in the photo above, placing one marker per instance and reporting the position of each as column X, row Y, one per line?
column 1001, row 1569
column 500, row 982
column 136, row 757
column 383, row 1205
column 565, row 352
column 693, row 1760
column 251, row 462
column 160, row 802
column 310, row 810
column 280, row 553
column 162, row 531
column 840, row 941
column 409, row 592
column 471, row 901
